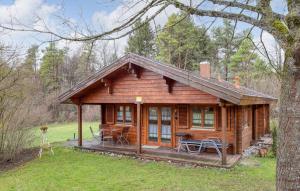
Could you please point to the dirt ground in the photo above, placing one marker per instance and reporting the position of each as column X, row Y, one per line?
column 23, row 157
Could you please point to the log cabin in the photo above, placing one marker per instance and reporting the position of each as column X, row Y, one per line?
column 158, row 101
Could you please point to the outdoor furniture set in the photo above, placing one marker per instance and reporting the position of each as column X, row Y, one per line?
column 196, row 146
column 107, row 135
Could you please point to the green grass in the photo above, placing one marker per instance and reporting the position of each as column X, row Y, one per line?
column 63, row 132
column 74, row 170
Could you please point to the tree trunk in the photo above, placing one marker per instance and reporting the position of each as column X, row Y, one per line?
column 288, row 152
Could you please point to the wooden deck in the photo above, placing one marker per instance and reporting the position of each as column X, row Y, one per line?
column 163, row 154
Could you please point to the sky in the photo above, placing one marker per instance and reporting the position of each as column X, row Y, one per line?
column 96, row 15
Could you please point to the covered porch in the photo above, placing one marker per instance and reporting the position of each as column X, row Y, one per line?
column 138, row 145
column 160, row 154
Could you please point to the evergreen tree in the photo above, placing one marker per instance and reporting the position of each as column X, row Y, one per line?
column 30, row 63
column 50, row 71
column 247, row 64
column 142, row 40
column 226, row 43
column 182, row 43
column 86, row 61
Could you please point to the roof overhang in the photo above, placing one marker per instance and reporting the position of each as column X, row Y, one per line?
column 182, row 76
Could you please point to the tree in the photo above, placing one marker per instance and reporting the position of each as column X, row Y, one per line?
column 52, row 77
column 51, row 65
column 226, row 42
column 142, row 40
column 182, row 43
column 14, row 136
column 30, row 63
column 247, row 64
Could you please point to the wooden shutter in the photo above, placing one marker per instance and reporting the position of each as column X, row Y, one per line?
column 183, row 119
column 109, row 114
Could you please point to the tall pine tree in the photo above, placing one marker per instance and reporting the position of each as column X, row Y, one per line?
column 30, row 65
column 51, row 68
column 182, row 43
column 142, row 40
column 247, row 64
column 227, row 44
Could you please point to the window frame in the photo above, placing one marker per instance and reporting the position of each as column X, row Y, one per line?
column 124, row 114
column 202, row 110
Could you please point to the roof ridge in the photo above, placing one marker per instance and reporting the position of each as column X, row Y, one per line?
column 225, row 88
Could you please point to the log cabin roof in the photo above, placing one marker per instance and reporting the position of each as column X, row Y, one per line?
column 224, row 90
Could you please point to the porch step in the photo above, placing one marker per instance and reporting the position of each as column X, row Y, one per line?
column 182, row 155
column 167, row 155
column 121, row 151
column 202, row 163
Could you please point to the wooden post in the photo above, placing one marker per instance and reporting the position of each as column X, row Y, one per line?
column 265, row 120
column 224, row 132
column 235, row 130
column 256, row 123
column 100, row 122
column 138, row 128
column 79, row 118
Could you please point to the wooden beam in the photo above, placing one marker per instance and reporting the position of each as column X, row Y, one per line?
column 135, row 70
column 235, row 110
column 108, row 84
column 138, row 126
column 170, row 82
column 79, row 118
column 265, row 120
column 101, row 114
column 256, row 123
column 224, row 134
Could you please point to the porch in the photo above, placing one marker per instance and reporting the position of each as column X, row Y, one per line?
column 152, row 131
column 160, row 154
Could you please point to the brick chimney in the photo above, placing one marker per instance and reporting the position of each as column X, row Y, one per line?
column 237, row 82
column 204, row 69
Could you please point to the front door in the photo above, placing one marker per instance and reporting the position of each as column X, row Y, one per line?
column 159, row 125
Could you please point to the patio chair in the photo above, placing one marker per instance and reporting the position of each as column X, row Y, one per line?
column 105, row 135
column 96, row 136
column 186, row 144
column 123, row 137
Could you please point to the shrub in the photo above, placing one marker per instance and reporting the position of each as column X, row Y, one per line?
column 14, row 135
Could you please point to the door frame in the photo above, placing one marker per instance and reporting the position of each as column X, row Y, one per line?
column 159, row 142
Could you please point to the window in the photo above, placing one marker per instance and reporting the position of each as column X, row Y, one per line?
column 166, row 124
column 120, row 114
column 209, row 117
column 124, row 114
column 153, row 124
column 203, row 117
column 128, row 117
column 197, row 115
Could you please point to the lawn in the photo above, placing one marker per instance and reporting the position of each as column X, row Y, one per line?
column 74, row 170
column 63, row 132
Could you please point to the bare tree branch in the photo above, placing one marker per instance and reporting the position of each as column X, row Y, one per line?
column 245, row 7
column 227, row 15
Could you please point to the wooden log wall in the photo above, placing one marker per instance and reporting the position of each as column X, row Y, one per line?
column 153, row 87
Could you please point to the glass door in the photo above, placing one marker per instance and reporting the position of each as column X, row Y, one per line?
column 165, row 133
column 153, row 124
column 160, row 125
